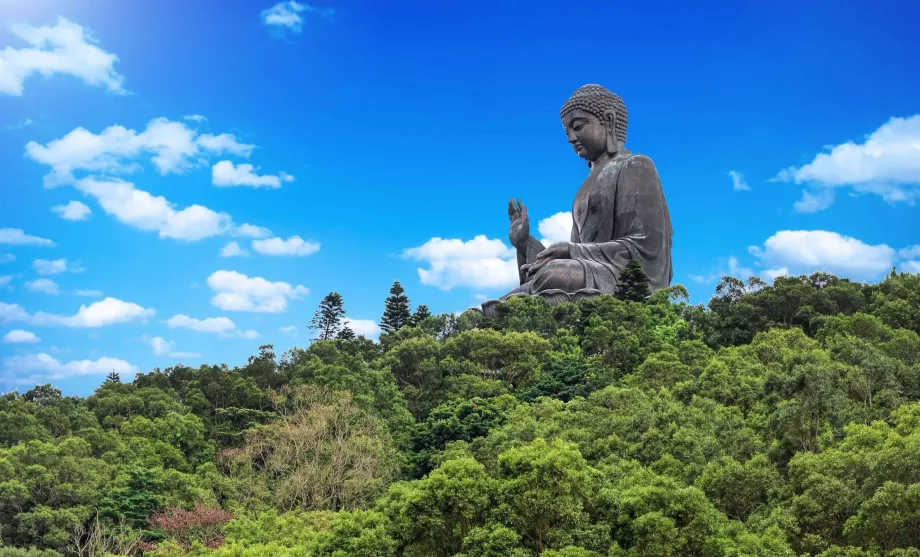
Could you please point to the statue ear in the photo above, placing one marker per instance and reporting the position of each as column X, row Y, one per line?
column 610, row 122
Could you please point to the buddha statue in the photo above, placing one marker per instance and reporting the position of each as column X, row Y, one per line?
column 619, row 213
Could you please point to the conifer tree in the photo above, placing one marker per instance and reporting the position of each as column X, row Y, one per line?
column 421, row 313
column 113, row 377
column 396, row 312
column 328, row 318
column 345, row 333
column 633, row 284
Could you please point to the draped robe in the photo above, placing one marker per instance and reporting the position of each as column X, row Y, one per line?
column 618, row 213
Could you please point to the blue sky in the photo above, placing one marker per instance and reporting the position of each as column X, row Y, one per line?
column 383, row 140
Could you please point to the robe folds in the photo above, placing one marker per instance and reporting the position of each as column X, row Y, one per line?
column 618, row 213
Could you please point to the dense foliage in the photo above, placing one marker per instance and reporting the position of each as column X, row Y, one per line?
column 778, row 419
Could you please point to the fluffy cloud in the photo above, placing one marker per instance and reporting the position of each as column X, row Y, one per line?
column 295, row 245
column 478, row 263
column 287, row 15
column 738, row 183
column 233, row 249
column 64, row 48
column 173, row 147
column 18, row 336
column 44, row 286
column 734, row 269
column 35, row 367
column 222, row 326
column 142, row 210
column 555, row 229
column 103, row 313
column 16, row 236
column 365, row 327
column 226, row 174
column 24, row 123
column 251, row 231
column 73, row 211
column 236, row 292
column 290, row 329
column 89, row 293
column 910, row 252
column 911, row 267
column 195, row 118
column 160, row 345
column 55, row 267
column 806, row 251
column 887, row 164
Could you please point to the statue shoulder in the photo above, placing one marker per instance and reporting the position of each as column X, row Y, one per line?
column 636, row 160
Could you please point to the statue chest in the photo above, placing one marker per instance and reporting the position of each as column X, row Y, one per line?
column 593, row 208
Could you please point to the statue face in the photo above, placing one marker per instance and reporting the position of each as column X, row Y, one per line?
column 586, row 133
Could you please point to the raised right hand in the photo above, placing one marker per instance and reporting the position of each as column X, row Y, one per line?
column 519, row 230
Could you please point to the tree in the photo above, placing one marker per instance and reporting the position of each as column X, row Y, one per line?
column 421, row 313
column 345, row 333
column 396, row 313
column 113, row 377
column 633, row 284
column 328, row 318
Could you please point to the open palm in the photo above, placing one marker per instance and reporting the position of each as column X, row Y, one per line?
column 519, row 230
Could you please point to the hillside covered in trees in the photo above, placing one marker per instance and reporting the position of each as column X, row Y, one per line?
column 777, row 419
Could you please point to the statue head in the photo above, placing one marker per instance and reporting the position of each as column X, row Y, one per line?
column 595, row 122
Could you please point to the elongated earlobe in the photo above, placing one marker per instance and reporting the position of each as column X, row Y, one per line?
column 610, row 125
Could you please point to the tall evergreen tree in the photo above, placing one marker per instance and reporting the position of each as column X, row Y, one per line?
column 633, row 284
column 345, row 333
column 328, row 318
column 421, row 313
column 396, row 312
column 113, row 377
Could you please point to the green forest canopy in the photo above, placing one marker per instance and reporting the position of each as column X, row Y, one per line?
column 778, row 419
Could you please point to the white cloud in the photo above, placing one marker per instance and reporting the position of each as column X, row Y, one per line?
column 225, row 174
column 248, row 334
column 233, row 249
column 366, row 327
column 72, row 211
column 910, row 252
column 478, row 263
column 18, row 336
column 7, row 258
column 55, row 267
column 24, row 123
column 237, row 292
column 89, row 293
column 772, row 274
column 173, row 147
column 35, row 367
column 285, row 14
column 142, row 210
column 64, row 48
column 806, row 251
column 812, row 202
column 192, row 355
column 911, row 266
column 44, row 286
column 887, row 164
column 251, row 231
column 160, row 345
column 738, row 183
column 734, row 268
column 295, row 245
column 209, row 325
column 195, row 118
column 103, row 313
column 16, row 236
column 555, row 229
column 290, row 329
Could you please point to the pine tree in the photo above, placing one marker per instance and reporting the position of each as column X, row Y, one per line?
column 396, row 313
column 633, row 284
column 113, row 377
column 421, row 313
column 346, row 333
column 328, row 318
